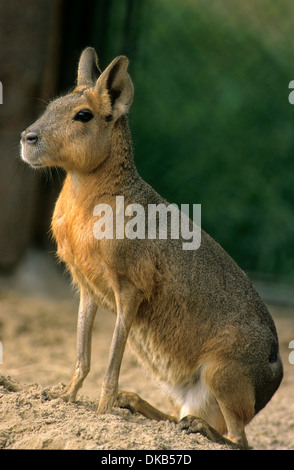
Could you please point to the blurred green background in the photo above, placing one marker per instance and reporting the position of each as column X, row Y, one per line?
column 211, row 120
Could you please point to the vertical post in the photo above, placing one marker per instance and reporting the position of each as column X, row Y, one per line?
column 1, row 353
column 1, row 93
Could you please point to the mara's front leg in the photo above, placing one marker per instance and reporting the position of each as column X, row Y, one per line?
column 128, row 299
column 86, row 317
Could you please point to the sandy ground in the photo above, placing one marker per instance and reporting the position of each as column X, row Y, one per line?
column 38, row 312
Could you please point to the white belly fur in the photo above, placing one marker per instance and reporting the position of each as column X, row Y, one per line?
column 195, row 398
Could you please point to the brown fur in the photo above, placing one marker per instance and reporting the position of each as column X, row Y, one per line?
column 193, row 317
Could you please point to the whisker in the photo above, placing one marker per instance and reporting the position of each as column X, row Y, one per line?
column 46, row 102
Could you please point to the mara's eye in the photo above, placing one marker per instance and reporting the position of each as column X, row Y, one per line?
column 84, row 115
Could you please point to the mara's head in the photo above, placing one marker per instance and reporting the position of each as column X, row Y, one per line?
column 75, row 130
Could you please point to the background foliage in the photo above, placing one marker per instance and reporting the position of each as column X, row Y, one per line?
column 213, row 124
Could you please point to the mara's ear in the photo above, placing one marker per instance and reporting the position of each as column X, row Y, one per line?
column 116, row 83
column 88, row 70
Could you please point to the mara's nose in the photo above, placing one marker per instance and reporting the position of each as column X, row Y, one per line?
column 30, row 138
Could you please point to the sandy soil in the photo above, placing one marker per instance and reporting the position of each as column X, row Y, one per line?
column 37, row 330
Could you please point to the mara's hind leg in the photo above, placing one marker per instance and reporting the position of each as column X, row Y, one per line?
column 234, row 392
column 191, row 424
column 135, row 403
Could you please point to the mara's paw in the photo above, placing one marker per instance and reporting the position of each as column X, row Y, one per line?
column 59, row 391
column 192, row 424
column 127, row 400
